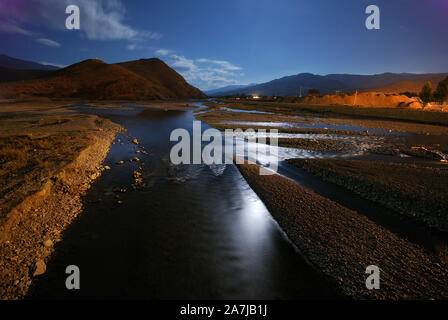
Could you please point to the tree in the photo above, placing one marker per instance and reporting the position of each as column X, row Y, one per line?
column 426, row 93
column 441, row 93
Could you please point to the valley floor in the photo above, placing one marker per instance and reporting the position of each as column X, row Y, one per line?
column 393, row 161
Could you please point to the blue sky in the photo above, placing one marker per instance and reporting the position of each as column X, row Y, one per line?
column 217, row 43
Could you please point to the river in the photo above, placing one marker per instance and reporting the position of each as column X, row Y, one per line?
column 194, row 232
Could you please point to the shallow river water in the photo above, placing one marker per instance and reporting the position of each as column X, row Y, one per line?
column 193, row 232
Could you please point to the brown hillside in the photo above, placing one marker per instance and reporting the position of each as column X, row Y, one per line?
column 92, row 79
column 9, row 75
column 406, row 86
column 157, row 71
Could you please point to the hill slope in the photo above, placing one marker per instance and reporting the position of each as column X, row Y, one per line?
column 407, row 86
column 160, row 74
column 8, row 75
column 13, row 63
column 97, row 80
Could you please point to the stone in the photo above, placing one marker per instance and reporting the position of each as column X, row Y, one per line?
column 48, row 243
column 41, row 268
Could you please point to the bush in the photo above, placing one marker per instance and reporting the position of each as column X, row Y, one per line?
column 441, row 94
column 426, row 93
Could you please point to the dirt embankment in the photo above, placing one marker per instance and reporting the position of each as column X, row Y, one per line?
column 30, row 229
column 341, row 243
column 364, row 99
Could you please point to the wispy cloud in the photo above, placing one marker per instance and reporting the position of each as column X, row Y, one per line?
column 48, row 42
column 203, row 73
column 7, row 27
column 225, row 65
column 100, row 19
column 163, row 52
column 53, row 64
column 132, row 46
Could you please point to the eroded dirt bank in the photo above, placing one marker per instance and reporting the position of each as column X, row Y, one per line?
column 29, row 231
column 342, row 243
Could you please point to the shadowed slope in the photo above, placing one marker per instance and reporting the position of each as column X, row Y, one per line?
column 158, row 72
column 8, row 75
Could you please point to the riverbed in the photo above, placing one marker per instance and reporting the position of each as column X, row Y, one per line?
column 194, row 232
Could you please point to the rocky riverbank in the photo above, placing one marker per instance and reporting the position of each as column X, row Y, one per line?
column 341, row 243
column 30, row 230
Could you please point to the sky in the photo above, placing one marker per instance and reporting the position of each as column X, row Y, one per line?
column 215, row 43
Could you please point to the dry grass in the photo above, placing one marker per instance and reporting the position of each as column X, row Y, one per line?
column 26, row 161
column 35, row 144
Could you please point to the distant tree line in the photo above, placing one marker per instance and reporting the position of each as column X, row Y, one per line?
column 440, row 94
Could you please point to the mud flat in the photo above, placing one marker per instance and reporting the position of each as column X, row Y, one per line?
column 61, row 156
column 416, row 190
column 341, row 243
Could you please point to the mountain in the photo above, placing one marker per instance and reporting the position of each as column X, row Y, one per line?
column 290, row 85
column 223, row 90
column 159, row 73
column 8, row 75
column 96, row 80
column 13, row 63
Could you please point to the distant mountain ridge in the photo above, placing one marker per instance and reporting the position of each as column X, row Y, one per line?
column 96, row 80
column 14, row 63
column 292, row 85
column 223, row 90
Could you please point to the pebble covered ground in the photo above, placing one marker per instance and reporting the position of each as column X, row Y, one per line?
column 341, row 243
column 37, row 223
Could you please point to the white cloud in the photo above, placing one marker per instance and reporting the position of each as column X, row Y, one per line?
column 204, row 75
column 100, row 19
column 182, row 63
column 225, row 65
column 53, row 64
column 7, row 27
column 163, row 52
column 48, row 42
